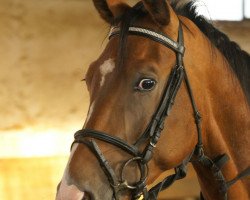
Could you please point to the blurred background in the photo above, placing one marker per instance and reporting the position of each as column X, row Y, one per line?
column 45, row 49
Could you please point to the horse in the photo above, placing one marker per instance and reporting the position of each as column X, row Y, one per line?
column 169, row 89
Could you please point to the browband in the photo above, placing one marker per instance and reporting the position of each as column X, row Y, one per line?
column 158, row 37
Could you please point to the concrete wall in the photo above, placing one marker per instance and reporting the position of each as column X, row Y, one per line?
column 45, row 48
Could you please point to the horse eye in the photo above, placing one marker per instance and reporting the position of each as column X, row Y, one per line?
column 145, row 84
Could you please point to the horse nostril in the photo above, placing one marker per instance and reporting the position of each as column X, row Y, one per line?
column 87, row 196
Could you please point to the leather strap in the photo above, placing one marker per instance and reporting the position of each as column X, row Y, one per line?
column 153, row 35
column 180, row 173
column 157, row 122
column 81, row 134
column 215, row 166
column 241, row 175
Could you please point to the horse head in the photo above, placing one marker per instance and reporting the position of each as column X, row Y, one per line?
column 133, row 86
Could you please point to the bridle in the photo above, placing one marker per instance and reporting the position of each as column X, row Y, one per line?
column 153, row 132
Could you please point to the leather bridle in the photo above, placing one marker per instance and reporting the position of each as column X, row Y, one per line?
column 153, row 131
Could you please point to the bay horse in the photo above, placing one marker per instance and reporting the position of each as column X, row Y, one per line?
column 168, row 89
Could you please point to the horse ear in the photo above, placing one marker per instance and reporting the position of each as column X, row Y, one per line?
column 109, row 10
column 159, row 11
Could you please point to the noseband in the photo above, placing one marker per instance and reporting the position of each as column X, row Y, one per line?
column 153, row 131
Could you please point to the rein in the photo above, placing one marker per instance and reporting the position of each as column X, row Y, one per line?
column 153, row 132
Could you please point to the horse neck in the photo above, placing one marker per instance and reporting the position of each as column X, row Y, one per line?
column 226, row 124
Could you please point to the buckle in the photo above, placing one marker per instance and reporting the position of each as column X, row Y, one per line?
column 141, row 197
column 152, row 144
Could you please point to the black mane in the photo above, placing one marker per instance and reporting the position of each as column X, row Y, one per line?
column 238, row 59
